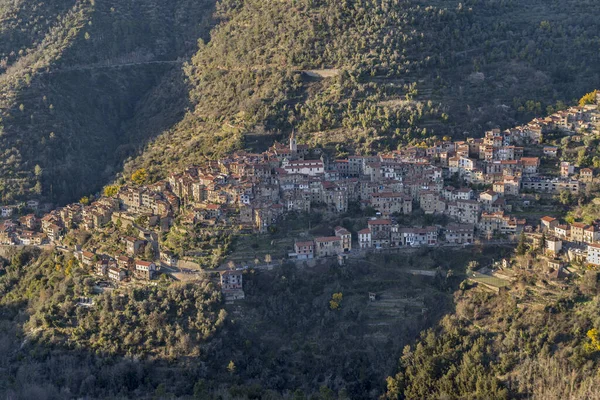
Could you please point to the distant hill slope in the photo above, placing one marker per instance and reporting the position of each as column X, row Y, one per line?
column 73, row 73
column 391, row 72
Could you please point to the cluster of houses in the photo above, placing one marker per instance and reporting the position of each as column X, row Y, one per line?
column 254, row 190
column 383, row 233
column 119, row 266
column 31, row 230
column 584, row 239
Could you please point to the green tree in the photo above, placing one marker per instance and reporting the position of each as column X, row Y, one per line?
column 594, row 336
column 200, row 390
column 37, row 189
column 565, row 197
column 140, row 176
column 582, row 159
column 149, row 252
column 111, row 190
column 161, row 391
column 543, row 242
column 84, row 200
column 325, row 393
column 231, row 367
column 522, row 246
column 588, row 98
column 298, row 395
column 336, row 300
column 394, row 387
column 472, row 266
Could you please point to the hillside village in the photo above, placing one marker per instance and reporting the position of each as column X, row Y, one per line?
column 482, row 186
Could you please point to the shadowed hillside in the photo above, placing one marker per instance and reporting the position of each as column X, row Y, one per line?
column 74, row 74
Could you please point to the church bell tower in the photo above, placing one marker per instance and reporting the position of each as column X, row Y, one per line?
column 293, row 144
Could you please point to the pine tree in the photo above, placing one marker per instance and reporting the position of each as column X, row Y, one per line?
column 543, row 242
column 522, row 246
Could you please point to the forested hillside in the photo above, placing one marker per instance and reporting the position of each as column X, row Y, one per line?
column 392, row 72
column 538, row 341
column 73, row 75
column 63, row 336
column 123, row 344
column 87, row 84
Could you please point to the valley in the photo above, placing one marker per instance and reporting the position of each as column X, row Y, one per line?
column 307, row 200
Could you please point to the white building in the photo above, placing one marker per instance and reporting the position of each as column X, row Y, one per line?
column 6, row 211
column 554, row 245
column 364, row 238
column 593, row 254
column 304, row 167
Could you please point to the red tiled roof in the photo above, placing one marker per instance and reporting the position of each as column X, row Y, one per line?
column 328, row 239
column 380, row 222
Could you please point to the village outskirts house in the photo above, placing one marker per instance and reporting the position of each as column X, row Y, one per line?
column 562, row 231
column 553, row 245
column 388, row 203
column 427, row 236
column 591, row 234
column 381, row 230
column 101, row 267
column 548, row 223
column 328, row 246
column 550, row 151
column 431, row 202
column 53, row 232
column 87, row 258
column 364, row 238
column 586, row 175
column 144, row 269
column 566, row 169
column 577, row 229
column 593, row 254
column 124, row 262
column 6, row 211
column 304, row 250
column 231, row 280
column 487, row 200
column 134, row 245
column 346, row 237
column 116, row 274
column 168, row 258
column 232, row 285
column 460, row 233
